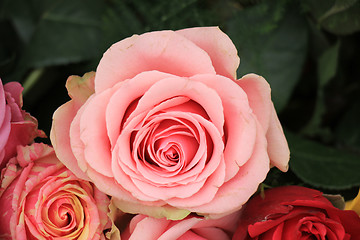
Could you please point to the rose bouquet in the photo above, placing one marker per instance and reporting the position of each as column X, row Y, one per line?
column 162, row 141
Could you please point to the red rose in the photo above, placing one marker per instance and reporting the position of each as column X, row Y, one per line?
column 294, row 212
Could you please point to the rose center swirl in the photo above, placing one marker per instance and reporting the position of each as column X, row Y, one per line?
column 62, row 214
column 169, row 144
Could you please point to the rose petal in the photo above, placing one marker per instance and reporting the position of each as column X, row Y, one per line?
column 152, row 226
column 5, row 128
column 197, row 91
column 278, row 149
column 92, row 131
column 5, row 118
column 230, row 197
column 127, row 92
column 15, row 89
column 179, row 229
column 240, row 125
column 218, row 45
column 258, row 92
column 81, row 88
column 60, row 137
column 165, row 51
column 210, row 233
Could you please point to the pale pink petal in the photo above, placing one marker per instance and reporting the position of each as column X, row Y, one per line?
column 228, row 223
column 194, row 90
column 93, row 134
column 193, row 236
column 183, row 87
column 212, row 233
column 278, row 148
column 80, row 88
column 218, row 45
column 127, row 92
column 179, row 229
column 165, row 51
column 240, row 125
column 234, row 193
column 149, row 229
column 60, row 139
column 109, row 186
column 258, row 91
column 206, row 194
column 149, row 189
column 197, row 164
column 167, row 193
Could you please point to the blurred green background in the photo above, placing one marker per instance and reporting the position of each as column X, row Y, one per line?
column 308, row 50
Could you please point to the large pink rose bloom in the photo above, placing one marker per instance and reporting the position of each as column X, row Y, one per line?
column 142, row 227
column 41, row 199
column 17, row 127
column 166, row 129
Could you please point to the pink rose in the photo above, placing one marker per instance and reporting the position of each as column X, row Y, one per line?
column 17, row 127
column 142, row 227
column 41, row 199
column 166, row 129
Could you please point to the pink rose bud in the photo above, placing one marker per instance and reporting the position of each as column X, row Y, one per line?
column 143, row 227
column 166, row 128
column 17, row 127
column 41, row 199
column 294, row 212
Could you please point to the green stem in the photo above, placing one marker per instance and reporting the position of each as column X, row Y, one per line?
column 31, row 80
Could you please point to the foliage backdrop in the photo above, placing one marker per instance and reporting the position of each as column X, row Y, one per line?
column 308, row 51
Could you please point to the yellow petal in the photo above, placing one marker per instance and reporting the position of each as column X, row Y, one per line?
column 354, row 204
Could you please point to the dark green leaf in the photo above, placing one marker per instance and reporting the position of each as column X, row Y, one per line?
column 339, row 6
column 125, row 18
column 323, row 166
column 327, row 64
column 336, row 16
column 64, row 34
column 56, row 32
column 345, row 22
column 348, row 131
column 271, row 40
column 326, row 70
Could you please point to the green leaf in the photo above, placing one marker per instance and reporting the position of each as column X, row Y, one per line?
column 348, row 131
column 336, row 16
column 120, row 21
column 322, row 166
column 344, row 22
column 339, row 5
column 68, row 31
column 326, row 70
column 56, row 32
column 271, row 40
column 327, row 64
column 124, row 18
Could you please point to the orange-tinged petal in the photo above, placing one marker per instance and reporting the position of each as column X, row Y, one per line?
column 354, row 204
